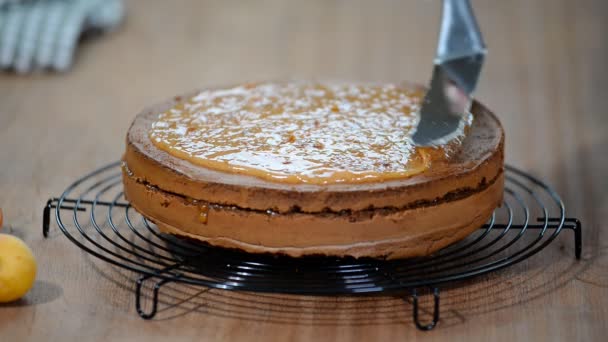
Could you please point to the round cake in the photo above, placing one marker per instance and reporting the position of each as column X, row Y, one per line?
column 304, row 168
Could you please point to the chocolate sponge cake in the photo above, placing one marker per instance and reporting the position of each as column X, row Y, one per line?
column 306, row 169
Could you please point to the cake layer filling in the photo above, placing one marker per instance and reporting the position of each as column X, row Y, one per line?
column 375, row 233
column 452, row 195
column 300, row 133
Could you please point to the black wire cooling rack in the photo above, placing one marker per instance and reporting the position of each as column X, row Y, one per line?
column 93, row 215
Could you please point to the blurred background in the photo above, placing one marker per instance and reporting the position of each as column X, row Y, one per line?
column 544, row 77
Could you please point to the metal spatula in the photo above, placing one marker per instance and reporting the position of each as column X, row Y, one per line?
column 460, row 55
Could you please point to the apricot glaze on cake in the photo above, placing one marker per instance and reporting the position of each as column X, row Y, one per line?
column 301, row 169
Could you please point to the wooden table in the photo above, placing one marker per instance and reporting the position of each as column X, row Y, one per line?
column 545, row 77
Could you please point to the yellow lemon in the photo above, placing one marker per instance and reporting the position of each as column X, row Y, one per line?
column 17, row 268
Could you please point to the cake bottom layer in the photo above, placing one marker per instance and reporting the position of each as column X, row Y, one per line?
column 418, row 230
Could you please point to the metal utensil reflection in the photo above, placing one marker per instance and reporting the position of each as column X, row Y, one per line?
column 460, row 56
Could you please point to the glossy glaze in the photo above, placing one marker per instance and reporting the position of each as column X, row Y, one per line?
column 298, row 132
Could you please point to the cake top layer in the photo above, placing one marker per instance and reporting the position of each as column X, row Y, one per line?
column 298, row 132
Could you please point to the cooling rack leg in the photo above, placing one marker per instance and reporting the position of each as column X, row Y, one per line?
column 46, row 216
column 578, row 236
column 157, row 286
column 155, row 290
column 433, row 323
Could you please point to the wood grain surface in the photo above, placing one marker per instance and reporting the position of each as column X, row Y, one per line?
column 545, row 77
